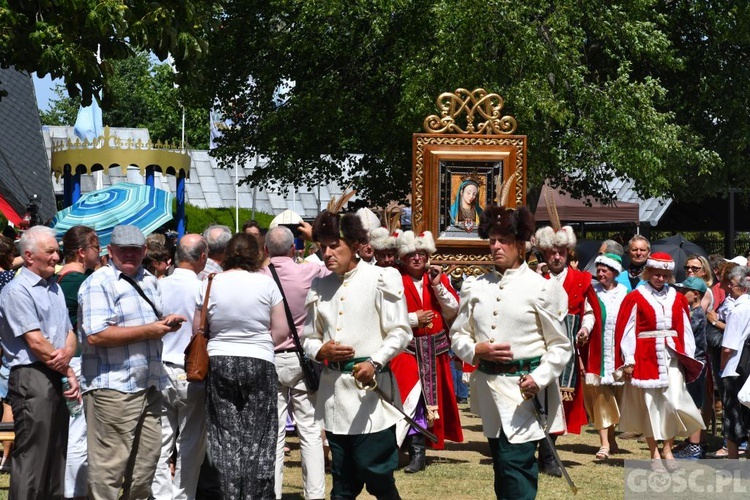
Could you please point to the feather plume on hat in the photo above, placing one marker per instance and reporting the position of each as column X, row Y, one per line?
column 335, row 206
column 554, row 235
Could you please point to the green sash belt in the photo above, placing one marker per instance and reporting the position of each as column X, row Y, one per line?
column 348, row 366
column 515, row 368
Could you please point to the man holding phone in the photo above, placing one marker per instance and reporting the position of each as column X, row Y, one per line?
column 121, row 325
column 423, row 371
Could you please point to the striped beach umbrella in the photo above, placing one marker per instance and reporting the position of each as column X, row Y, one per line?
column 124, row 203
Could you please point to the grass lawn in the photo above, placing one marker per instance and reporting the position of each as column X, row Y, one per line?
column 464, row 470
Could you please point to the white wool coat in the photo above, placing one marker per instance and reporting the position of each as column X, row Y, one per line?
column 523, row 309
column 364, row 309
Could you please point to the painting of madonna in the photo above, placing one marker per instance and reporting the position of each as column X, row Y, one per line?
column 465, row 209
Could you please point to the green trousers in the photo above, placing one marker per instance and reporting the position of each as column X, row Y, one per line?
column 516, row 469
column 364, row 460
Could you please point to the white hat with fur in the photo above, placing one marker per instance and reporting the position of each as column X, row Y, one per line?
column 546, row 238
column 410, row 242
column 381, row 239
column 369, row 219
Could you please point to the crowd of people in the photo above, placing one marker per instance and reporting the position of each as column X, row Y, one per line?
column 96, row 383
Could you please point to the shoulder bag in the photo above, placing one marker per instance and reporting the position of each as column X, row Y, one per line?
column 196, row 353
column 310, row 368
column 743, row 365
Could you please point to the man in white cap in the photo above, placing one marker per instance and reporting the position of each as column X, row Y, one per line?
column 370, row 222
column 582, row 322
column 385, row 245
column 423, row 371
column 121, row 325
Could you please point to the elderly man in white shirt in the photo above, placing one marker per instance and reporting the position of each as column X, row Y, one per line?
column 183, row 418
column 736, row 422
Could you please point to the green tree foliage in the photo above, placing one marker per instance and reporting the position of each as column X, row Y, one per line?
column 709, row 91
column 62, row 37
column 143, row 94
column 582, row 77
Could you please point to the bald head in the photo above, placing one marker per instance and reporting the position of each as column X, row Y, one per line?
column 280, row 242
column 192, row 252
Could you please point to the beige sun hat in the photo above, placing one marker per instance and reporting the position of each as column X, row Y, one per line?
column 286, row 218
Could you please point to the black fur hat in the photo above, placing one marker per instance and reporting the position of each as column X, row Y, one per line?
column 332, row 226
column 516, row 222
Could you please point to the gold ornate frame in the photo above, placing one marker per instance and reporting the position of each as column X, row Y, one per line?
column 488, row 142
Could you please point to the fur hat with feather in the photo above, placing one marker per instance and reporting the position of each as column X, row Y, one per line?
column 497, row 219
column 331, row 225
column 554, row 235
column 386, row 238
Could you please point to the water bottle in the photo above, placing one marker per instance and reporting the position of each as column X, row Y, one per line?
column 74, row 406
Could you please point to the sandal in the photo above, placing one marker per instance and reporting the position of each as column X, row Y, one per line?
column 671, row 464
column 657, row 466
column 721, row 453
column 603, row 453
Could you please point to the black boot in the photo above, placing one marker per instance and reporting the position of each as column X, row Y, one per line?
column 416, row 454
column 547, row 463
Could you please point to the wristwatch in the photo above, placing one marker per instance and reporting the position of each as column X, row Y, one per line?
column 713, row 322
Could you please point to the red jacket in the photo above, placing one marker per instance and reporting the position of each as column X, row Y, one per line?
column 650, row 368
column 578, row 286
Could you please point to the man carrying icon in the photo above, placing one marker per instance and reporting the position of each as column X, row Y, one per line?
column 423, row 371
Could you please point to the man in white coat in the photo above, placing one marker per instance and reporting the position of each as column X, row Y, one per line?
column 510, row 324
column 356, row 320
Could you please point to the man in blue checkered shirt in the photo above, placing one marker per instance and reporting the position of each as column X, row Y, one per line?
column 120, row 326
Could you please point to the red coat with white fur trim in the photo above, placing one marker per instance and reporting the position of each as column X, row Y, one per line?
column 642, row 312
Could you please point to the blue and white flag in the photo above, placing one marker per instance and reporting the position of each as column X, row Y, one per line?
column 89, row 126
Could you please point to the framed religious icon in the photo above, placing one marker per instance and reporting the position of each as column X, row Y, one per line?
column 456, row 175
column 465, row 188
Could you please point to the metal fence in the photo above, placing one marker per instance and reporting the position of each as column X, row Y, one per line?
column 712, row 243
